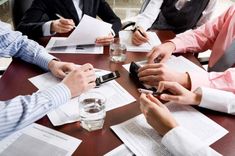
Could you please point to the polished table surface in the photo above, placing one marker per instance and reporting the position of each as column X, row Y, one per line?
column 15, row 82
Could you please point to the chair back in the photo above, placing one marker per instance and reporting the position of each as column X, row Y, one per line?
column 18, row 8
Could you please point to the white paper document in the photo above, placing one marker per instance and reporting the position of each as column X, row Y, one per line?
column 143, row 140
column 179, row 64
column 77, row 49
column 86, row 32
column 126, row 36
column 38, row 140
column 121, row 150
column 115, row 94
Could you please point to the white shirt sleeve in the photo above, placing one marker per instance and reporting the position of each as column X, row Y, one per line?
column 46, row 29
column 181, row 142
column 147, row 18
column 217, row 100
column 207, row 13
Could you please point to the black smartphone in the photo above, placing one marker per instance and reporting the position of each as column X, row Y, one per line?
column 134, row 67
column 108, row 77
column 134, row 70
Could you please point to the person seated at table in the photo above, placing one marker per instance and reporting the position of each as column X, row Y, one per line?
column 175, row 15
column 21, row 111
column 41, row 18
column 160, row 118
column 218, row 36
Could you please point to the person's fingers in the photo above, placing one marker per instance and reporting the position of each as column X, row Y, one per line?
column 150, row 71
column 67, row 22
column 141, row 38
column 136, row 42
column 154, row 100
column 90, row 86
column 147, row 66
column 160, row 87
column 91, row 78
column 86, row 67
column 61, row 74
column 65, row 27
column 167, row 97
column 69, row 67
column 152, row 55
column 173, row 87
column 105, row 38
column 62, row 30
column 164, row 58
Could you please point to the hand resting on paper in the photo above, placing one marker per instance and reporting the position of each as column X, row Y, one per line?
column 106, row 40
column 80, row 79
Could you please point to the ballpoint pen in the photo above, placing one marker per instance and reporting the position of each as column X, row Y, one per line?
column 61, row 17
column 149, row 92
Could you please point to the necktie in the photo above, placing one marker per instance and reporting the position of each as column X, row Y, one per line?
column 226, row 61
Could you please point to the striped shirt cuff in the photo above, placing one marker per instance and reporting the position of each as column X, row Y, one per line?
column 43, row 59
column 60, row 94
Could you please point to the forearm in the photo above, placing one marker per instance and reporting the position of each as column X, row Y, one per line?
column 150, row 14
column 189, row 144
column 202, row 38
column 16, row 45
column 24, row 110
column 217, row 80
column 217, row 100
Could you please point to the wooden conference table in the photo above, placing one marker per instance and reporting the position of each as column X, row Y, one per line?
column 15, row 82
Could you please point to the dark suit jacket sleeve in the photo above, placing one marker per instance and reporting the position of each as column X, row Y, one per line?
column 33, row 20
column 106, row 13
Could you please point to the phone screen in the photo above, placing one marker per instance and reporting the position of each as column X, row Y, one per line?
column 108, row 76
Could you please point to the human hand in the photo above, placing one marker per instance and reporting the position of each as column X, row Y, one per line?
column 80, row 80
column 62, row 25
column 60, row 69
column 105, row 40
column 152, row 74
column 162, row 51
column 180, row 95
column 157, row 114
column 138, row 38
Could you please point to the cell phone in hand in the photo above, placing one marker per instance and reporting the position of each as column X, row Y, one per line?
column 108, row 77
column 134, row 67
column 134, row 70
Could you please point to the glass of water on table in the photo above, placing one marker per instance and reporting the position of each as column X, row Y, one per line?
column 92, row 110
column 117, row 52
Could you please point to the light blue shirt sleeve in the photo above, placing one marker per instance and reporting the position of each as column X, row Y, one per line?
column 13, row 44
column 21, row 111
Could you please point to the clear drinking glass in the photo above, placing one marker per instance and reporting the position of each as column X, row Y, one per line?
column 117, row 52
column 92, row 110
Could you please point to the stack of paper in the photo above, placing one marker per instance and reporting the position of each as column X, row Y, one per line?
column 38, row 140
column 115, row 94
column 142, row 139
column 126, row 37
column 84, row 49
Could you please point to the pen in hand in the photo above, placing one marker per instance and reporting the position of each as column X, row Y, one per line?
column 61, row 17
column 156, row 94
column 142, row 34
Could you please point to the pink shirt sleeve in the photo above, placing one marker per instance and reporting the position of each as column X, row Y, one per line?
column 218, row 80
